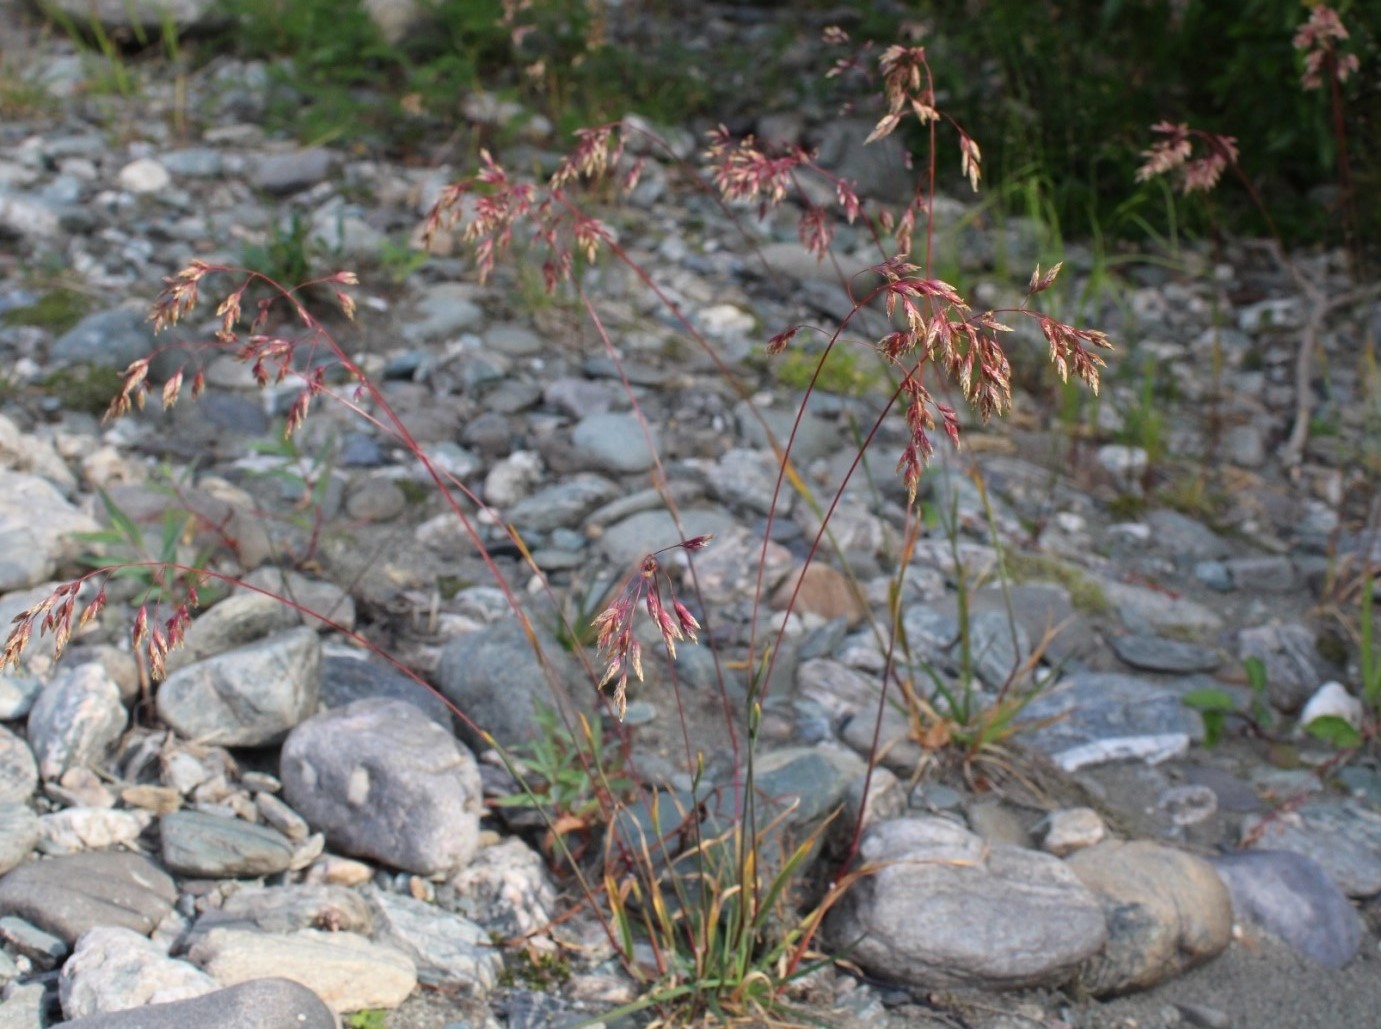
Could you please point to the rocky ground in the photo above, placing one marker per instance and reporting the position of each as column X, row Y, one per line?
column 285, row 806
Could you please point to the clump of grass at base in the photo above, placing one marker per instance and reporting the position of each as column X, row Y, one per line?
column 82, row 387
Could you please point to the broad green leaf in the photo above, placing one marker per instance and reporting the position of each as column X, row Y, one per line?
column 1335, row 730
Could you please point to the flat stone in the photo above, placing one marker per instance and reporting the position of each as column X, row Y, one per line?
column 116, row 969
column 447, row 949
column 824, row 591
column 250, row 696
column 446, row 310
column 615, row 442
column 198, row 844
column 1291, row 895
column 69, row 895
column 45, row 949
column 106, row 339
column 563, row 504
column 292, row 171
column 943, row 909
column 1146, row 610
column 1263, row 574
column 348, row 972
column 1183, row 537
column 1115, row 716
column 76, row 720
column 1343, row 836
column 1167, row 912
column 1158, row 654
column 269, row 1003
column 285, row 909
column 383, row 781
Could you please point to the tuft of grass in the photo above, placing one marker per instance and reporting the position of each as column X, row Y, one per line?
column 56, row 310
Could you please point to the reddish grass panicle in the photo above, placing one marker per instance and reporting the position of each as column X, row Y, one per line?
column 1317, row 39
column 1175, row 153
column 615, row 624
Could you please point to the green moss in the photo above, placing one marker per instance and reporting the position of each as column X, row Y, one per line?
column 449, row 585
column 84, row 388
column 413, row 492
column 1084, row 593
column 841, row 372
column 57, row 310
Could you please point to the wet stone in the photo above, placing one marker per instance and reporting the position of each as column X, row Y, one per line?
column 1263, row 574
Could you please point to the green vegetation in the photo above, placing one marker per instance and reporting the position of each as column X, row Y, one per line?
column 57, row 311
column 1064, row 95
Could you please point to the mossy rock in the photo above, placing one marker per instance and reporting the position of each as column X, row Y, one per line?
column 57, row 311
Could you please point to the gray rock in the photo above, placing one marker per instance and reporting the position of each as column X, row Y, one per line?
column 198, row 844
column 27, row 1006
column 816, row 436
column 1287, row 651
column 495, row 680
column 147, row 17
column 1293, row 897
column 17, row 695
column 81, row 828
column 312, row 596
column 446, row 310
column 29, row 217
column 196, row 162
column 44, row 949
column 748, row 478
column 1343, row 836
column 18, row 769
column 1146, row 610
column 506, row 889
column 289, row 172
column 115, row 969
column 285, row 909
column 944, row 909
column 346, row 971
column 1094, row 708
column 106, row 339
column 563, row 504
column 1158, row 654
column 385, row 782
column 247, row 697
column 1167, row 912
column 76, row 720
column 1263, row 574
column 579, row 397
column 270, row 1003
column 615, row 442
column 1214, row 575
column 18, row 834
column 345, row 680
column 514, row 340
column 37, row 524
column 878, row 170
column 239, row 619
column 626, row 542
column 1000, row 647
column 69, row 895
column 447, row 949
column 1244, row 445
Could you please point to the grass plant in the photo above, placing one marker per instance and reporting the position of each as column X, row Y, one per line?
column 702, row 899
